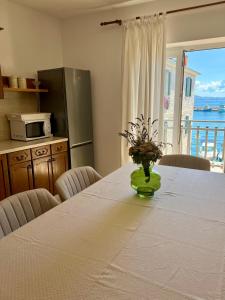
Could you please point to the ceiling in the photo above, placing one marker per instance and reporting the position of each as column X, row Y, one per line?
column 69, row 8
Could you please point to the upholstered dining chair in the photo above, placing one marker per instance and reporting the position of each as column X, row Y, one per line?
column 19, row 209
column 75, row 180
column 185, row 161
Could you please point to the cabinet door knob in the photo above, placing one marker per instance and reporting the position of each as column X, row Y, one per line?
column 51, row 160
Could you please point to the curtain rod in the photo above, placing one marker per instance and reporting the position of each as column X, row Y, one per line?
column 119, row 22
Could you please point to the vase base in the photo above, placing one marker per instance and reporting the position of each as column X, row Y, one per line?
column 146, row 194
column 143, row 193
column 145, row 189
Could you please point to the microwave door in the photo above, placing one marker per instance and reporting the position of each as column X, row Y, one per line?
column 35, row 129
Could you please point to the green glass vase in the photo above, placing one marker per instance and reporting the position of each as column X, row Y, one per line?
column 145, row 186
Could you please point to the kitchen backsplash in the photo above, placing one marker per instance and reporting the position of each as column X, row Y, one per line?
column 15, row 102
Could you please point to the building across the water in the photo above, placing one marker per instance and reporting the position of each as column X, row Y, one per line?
column 188, row 91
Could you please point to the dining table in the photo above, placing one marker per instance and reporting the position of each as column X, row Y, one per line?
column 107, row 243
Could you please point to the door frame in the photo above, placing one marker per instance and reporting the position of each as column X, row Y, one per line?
column 178, row 52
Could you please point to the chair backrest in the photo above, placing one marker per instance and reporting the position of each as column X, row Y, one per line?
column 19, row 209
column 75, row 180
column 185, row 161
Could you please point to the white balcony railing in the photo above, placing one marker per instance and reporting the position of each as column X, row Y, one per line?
column 199, row 138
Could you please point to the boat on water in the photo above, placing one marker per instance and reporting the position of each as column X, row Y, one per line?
column 207, row 108
column 204, row 108
column 222, row 108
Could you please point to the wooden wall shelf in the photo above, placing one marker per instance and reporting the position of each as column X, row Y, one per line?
column 7, row 89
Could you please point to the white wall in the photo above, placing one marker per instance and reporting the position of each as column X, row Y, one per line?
column 87, row 45
column 31, row 41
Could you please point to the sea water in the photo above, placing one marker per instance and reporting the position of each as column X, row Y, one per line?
column 208, row 116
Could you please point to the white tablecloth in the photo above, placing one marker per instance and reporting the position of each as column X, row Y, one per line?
column 106, row 243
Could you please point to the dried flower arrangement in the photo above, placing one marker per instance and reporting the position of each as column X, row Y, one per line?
column 144, row 148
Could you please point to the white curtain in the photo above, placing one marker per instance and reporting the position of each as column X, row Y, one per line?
column 143, row 72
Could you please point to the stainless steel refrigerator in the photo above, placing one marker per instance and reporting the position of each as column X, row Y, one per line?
column 69, row 101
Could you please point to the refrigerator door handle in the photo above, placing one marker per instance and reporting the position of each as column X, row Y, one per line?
column 81, row 144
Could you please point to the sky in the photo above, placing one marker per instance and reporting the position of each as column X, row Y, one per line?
column 211, row 65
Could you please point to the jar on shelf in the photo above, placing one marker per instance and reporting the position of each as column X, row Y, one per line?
column 13, row 82
column 22, row 82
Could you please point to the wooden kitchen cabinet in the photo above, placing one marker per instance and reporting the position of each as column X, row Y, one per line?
column 20, row 171
column 4, row 178
column 42, row 170
column 59, row 166
column 38, row 167
column 42, row 167
column 42, row 151
column 59, row 148
column 1, row 86
column 47, row 169
column 19, row 157
column 21, row 177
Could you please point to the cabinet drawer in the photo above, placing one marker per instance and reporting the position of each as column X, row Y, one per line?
column 40, row 151
column 59, row 147
column 19, row 156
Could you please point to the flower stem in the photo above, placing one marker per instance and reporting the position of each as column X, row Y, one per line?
column 147, row 171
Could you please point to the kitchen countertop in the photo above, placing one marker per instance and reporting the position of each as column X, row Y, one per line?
column 9, row 146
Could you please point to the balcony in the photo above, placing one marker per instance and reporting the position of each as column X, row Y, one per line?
column 199, row 138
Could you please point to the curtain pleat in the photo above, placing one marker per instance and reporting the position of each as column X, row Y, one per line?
column 143, row 66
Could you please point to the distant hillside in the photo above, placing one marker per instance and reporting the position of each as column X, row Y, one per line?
column 200, row 98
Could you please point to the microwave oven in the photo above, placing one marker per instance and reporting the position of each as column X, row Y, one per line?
column 28, row 127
